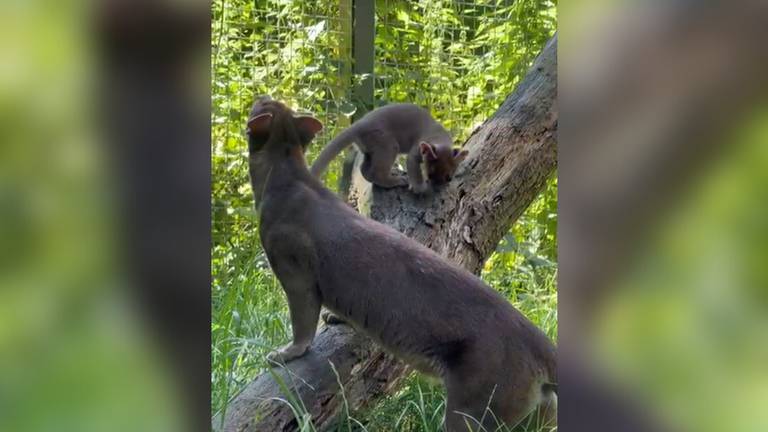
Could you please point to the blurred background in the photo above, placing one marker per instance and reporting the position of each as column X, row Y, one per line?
column 663, row 163
column 104, row 224
column 105, row 215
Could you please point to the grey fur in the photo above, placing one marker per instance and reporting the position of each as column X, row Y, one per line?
column 395, row 129
column 427, row 311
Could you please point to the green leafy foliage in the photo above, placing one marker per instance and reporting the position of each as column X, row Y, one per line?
column 459, row 59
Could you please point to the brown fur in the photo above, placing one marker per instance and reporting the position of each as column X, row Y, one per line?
column 395, row 129
column 427, row 311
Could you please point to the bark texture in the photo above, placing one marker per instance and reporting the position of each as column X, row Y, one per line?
column 510, row 158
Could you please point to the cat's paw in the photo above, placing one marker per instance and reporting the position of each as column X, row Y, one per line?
column 287, row 353
column 420, row 188
column 330, row 318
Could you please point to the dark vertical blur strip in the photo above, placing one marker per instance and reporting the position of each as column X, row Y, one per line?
column 155, row 102
column 661, row 203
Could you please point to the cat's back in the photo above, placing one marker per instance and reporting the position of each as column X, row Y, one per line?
column 398, row 116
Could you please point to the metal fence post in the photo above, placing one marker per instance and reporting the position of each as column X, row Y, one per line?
column 364, row 26
column 363, row 33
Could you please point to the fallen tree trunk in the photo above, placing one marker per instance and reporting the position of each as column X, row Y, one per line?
column 510, row 158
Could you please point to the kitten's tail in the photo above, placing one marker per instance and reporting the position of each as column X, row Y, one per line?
column 342, row 141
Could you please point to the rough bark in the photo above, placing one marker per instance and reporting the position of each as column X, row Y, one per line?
column 510, row 158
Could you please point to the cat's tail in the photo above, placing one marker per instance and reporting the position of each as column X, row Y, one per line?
column 547, row 407
column 342, row 141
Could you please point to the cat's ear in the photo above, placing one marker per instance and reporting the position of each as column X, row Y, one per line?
column 259, row 125
column 428, row 150
column 459, row 154
column 308, row 125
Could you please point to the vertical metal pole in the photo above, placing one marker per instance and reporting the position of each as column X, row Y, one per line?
column 363, row 32
column 364, row 26
column 343, row 90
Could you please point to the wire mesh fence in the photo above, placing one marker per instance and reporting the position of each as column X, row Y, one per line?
column 452, row 57
column 459, row 59
column 294, row 51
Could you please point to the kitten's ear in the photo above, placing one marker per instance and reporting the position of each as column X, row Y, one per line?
column 308, row 125
column 427, row 150
column 260, row 124
column 459, row 155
